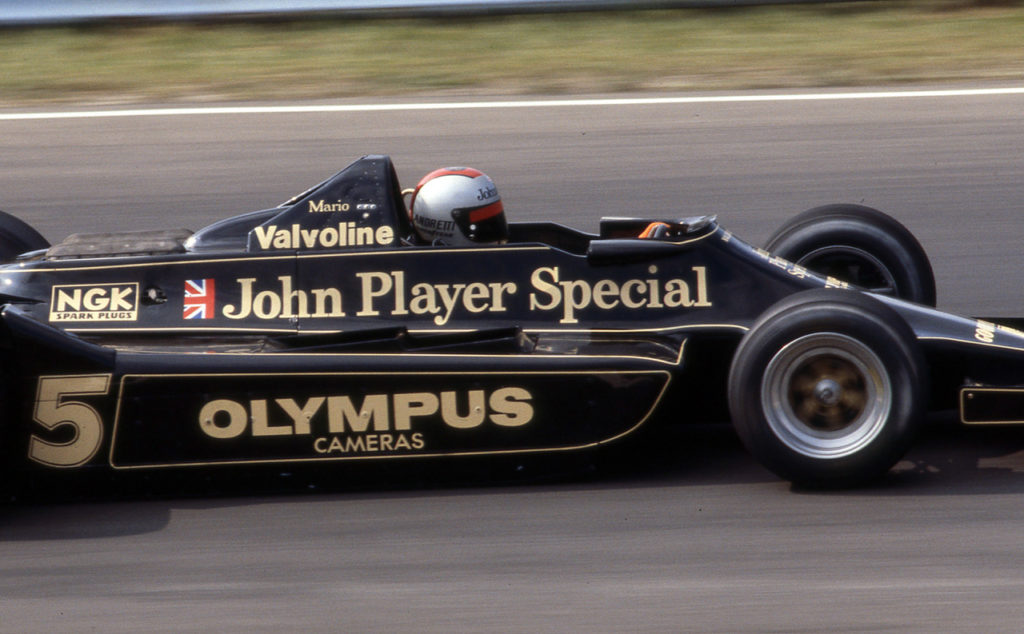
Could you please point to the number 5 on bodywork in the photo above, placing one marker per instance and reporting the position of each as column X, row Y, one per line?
column 53, row 411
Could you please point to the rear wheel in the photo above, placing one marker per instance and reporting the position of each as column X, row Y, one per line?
column 827, row 388
column 17, row 237
column 859, row 245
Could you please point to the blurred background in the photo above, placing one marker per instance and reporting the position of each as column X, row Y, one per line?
column 125, row 51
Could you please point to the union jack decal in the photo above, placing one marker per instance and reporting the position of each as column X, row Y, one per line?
column 199, row 299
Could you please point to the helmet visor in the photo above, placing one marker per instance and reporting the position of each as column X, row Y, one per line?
column 482, row 224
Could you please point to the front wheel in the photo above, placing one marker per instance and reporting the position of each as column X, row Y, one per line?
column 859, row 245
column 827, row 388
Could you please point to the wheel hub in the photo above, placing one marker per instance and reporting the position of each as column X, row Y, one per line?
column 828, row 392
column 825, row 395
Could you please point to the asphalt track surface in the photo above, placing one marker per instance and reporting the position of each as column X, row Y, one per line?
column 694, row 536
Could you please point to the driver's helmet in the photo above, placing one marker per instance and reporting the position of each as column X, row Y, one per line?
column 458, row 206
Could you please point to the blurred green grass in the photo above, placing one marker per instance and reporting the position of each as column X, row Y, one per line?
column 844, row 44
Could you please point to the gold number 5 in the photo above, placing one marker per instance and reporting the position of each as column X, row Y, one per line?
column 52, row 411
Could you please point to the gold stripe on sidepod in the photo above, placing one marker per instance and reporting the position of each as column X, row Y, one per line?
column 633, row 330
column 182, row 329
column 964, row 390
column 417, row 355
column 643, row 419
column 414, row 331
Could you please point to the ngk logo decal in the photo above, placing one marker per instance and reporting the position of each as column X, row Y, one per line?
column 95, row 302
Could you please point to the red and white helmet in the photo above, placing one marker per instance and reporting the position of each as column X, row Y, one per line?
column 459, row 206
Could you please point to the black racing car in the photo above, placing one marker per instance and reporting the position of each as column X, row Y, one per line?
column 321, row 330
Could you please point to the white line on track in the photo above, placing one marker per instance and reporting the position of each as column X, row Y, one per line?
column 535, row 103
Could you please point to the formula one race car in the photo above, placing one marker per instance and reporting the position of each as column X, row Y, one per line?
column 323, row 330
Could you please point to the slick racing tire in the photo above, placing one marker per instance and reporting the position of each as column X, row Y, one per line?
column 17, row 237
column 859, row 245
column 827, row 388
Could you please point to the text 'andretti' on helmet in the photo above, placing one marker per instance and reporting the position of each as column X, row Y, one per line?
column 458, row 206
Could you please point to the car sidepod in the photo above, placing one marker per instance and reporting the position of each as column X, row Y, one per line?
column 86, row 405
